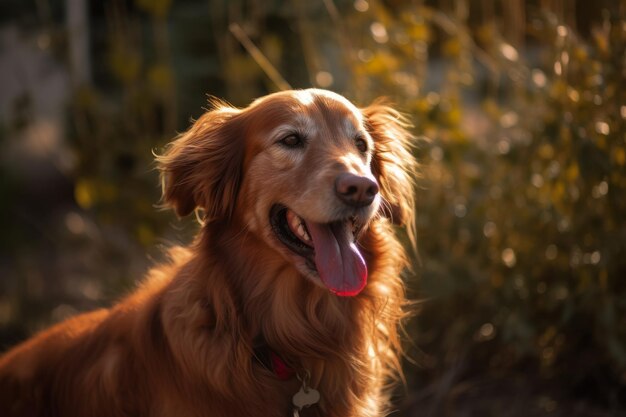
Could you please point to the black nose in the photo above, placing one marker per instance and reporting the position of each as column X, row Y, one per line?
column 355, row 190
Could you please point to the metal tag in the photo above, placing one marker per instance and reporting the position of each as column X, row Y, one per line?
column 306, row 397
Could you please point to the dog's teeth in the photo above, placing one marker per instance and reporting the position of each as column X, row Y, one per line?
column 296, row 224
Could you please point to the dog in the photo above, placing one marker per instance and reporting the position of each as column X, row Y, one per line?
column 288, row 301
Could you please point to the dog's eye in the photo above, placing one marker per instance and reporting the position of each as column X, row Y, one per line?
column 292, row 141
column 361, row 144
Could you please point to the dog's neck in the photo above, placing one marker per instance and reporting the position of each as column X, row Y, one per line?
column 297, row 318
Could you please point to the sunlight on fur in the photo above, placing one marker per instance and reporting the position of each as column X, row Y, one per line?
column 296, row 256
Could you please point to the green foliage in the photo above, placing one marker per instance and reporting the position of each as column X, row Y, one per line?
column 532, row 218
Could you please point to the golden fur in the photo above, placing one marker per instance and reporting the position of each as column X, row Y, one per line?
column 182, row 343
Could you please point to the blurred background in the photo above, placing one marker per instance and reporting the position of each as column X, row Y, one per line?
column 519, row 110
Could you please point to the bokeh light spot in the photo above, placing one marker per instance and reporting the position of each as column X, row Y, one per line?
column 509, row 258
column 379, row 32
column 361, row 5
column 324, row 79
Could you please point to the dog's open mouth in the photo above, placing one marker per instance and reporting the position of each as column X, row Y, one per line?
column 328, row 248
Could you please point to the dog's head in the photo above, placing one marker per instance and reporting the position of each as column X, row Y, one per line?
column 306, row 171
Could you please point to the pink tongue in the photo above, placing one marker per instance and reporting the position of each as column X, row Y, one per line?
column 339, row 263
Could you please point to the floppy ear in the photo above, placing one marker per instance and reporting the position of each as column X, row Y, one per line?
column 202, row 167
column 393, row 165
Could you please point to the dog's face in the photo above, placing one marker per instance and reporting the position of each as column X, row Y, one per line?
column 310, row 186
column 306, row 171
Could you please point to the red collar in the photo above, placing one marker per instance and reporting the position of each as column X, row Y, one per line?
column 272, row 361
column 280, row 368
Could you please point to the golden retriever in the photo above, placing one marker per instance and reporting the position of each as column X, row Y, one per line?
column 291, row 288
